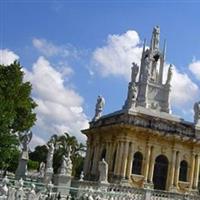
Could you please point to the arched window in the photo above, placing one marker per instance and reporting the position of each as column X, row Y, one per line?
column 137, row 163
column 183, row 171
column 103, row 154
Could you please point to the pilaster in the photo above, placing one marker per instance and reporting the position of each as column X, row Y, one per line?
column 125, row 159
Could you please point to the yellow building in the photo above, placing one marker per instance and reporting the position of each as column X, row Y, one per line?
column 144, row 145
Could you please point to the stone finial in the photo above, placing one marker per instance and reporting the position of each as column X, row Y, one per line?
column 99, row 107
column 103, row 171
column 197, row 113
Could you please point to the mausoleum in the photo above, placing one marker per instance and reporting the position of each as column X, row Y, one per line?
column 144, row 145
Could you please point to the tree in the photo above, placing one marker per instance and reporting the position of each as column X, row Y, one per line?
column 16, row 110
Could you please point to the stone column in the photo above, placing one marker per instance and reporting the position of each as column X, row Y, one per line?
column 130, row 160
column 111, row 156
column 191, row 175
column 117, row 158
column 172, row 169
column 95, row 160
column 107, row 151
column 177, row 169
column 120, row 160
column 87, row 159
column 151, row 168
column 125, row 159
column 147, row 164
column 196, row 174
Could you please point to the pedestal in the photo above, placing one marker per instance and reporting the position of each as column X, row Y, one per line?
column 48, row 175
column 63, row 183
column 22, row 166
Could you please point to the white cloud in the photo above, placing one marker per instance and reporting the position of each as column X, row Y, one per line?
column 116, row 56
column 48, row 49
column 7, row 57
column 45, row 47
column 59, row 106
column 184, row 90
column 195, row 68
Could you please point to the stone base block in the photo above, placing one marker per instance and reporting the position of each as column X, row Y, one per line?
column 48, row 176
column 63, row 182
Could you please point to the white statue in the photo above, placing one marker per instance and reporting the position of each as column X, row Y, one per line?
column 155, row 38
column 25, row 139
column 134, row 72
column 99, row 107
column 50, row 148
column 197, row 113
column 169, row 75
column 66, row 166
column 42, row 169
column 103, row 171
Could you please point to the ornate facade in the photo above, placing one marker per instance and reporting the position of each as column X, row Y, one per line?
column 144, row 145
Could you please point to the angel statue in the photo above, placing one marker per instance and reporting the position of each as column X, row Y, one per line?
column 99, row 107
column 25, row 139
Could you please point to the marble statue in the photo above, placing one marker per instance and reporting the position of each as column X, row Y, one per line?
column 197, row 113
column 103, row 171
column 134, row 73
column 49, row 163
column 66, row 166
column 99, row 107
column 24, row 139
column 169, row 75
column 155, row 38
column 42, row 169
column 50, row 153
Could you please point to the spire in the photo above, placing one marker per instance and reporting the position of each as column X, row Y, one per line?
column 164, row 49
column 144, row 45
column 155, row 38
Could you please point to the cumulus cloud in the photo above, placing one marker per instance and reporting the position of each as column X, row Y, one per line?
column 184, row 90
column 48, row 49
column 195, row 68
column 116, row 56
column 7, row 57
column 59, row 106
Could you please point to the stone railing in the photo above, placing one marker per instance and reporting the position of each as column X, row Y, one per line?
column 82, row 190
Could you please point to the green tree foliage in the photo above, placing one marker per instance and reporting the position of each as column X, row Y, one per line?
column 16, row 110
column 39, row 154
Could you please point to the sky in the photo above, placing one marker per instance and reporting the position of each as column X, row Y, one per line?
column 73, row 51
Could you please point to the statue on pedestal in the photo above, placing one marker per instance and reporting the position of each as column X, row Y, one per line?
column 99, row 107
column 49, row 164
column 103, row 171
column 24, row 139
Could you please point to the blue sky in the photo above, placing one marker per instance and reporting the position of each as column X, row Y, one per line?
column 66, row 48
